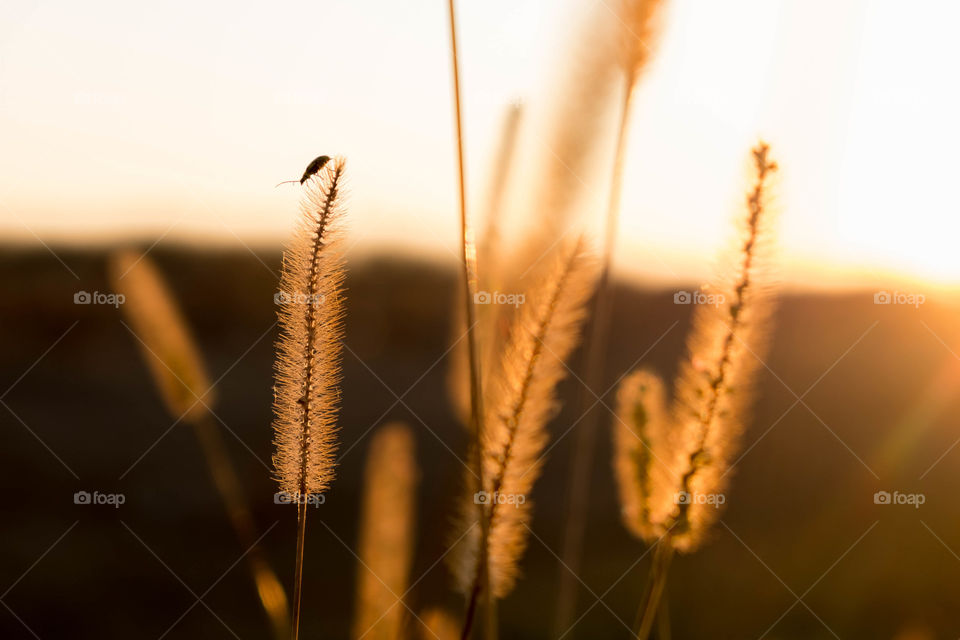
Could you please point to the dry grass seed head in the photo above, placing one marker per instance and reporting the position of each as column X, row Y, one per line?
column 306, row 394
column 714, row 386
column 640, row 430
column 520, row 402
column 167, row 345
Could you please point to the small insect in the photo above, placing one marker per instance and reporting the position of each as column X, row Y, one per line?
column 318, row 163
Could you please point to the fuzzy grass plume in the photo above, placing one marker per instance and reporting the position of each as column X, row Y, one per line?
column 162, row 334
column 521, row 401
column 306, row 395
column 715, row 384
column 640, row 431
column 386, row 540
column 179, row 373
column 672, row 470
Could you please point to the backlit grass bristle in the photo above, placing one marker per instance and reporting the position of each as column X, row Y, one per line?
column 673, row 470
column 162, row 335
column 520, row 402
column 638, row 29
column 307, row 394
column 385, row 545
column 309, row 351
column 715, row 382
column 639, row 433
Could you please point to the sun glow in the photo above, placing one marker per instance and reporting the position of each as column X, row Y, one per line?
column 856, row 98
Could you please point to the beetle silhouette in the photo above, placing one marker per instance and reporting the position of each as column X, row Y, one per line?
column 315, row 165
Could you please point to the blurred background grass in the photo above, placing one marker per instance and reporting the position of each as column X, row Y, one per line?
column 800, row 519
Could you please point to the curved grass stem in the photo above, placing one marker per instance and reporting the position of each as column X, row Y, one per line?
column 650, row 603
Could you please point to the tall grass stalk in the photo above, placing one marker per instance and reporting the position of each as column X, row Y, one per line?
column 491, row 319
column 521, row 401
column 308, row 366
column 177, row 367
column 386, row 539
column 710, row 404
column 637, row 28
column 652, row 598
column 468, row 250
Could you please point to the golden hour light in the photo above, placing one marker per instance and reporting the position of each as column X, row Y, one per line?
column 475, row 320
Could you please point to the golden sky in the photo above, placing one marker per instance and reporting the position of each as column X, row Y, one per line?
column 120, row 120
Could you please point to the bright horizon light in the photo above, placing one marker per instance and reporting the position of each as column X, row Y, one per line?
column 121, row 122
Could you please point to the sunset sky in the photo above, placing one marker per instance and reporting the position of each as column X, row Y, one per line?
column 120, row 120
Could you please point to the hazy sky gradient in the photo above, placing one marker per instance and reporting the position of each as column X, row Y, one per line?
column 121, row 120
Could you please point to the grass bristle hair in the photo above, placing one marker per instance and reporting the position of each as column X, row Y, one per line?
column 309, row 349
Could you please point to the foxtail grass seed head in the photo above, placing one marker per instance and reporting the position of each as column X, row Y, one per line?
column 640, row 431
column 520, row 402
column 639, row 27
column 715, row 383
column 308, row 366
column 167, row 345
column 386, row 540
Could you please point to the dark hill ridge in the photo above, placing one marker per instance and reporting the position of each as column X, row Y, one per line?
column 799, row 500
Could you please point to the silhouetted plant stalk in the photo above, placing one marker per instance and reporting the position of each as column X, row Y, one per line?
column 308, row 366
column 670, row 469
column 179, row 373
column 637, row 29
